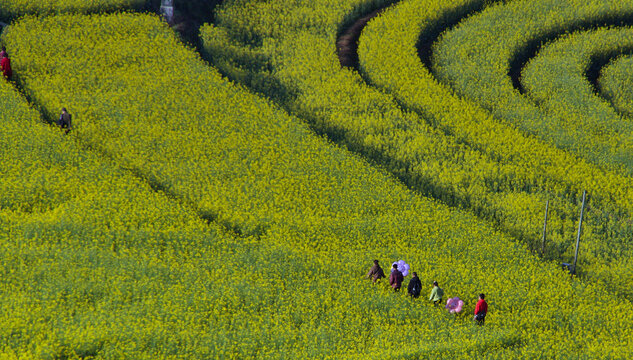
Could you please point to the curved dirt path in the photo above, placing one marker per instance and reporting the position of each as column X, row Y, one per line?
column 347, row 42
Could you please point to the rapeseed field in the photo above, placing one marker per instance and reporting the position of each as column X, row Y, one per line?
column 186, row 215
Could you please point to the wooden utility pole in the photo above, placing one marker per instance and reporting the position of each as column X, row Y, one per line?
column 167, row 10
column 582, row 210
column 544, row 228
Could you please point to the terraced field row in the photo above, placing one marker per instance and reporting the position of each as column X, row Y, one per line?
column 614, row 84
column 476, row 57
column 558, row 80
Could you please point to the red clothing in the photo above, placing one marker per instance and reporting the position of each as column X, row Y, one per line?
column 5, row 64
column 481, row 307
column 395, row 279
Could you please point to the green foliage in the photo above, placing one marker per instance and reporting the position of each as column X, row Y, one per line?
column 556, row 79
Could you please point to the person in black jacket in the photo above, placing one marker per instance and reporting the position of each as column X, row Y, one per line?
column 415, row 286
column 65, row 121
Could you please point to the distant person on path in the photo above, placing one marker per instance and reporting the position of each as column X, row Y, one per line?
column 436, row 294
column 481, row 309
column 376, row 272
column 5, row 64
column 396, row 278
column 3, row 52
column 65, row 120
column 415, row 286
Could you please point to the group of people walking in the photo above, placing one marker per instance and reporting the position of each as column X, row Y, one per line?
column 414, row 289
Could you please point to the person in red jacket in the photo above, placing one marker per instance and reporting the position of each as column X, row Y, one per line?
column 396, row 278
column 5, row 64
column 481, row 309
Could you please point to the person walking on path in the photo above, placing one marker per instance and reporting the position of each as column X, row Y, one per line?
column 415, row 286
column 3, row 52
column 396, row 278
column 436, row 294
column 376, row 272
column 65, row 120
column 5, row 65
column 481, row 309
